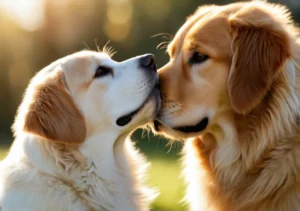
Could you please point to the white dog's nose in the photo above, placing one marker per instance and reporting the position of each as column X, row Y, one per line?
column 148, row 62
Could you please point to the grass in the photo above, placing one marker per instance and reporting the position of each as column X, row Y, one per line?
column 163, row 174
column 3, row 152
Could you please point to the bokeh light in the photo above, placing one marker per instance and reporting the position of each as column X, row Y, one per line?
column 158, row 14
column 28, row 13
column 119, row 15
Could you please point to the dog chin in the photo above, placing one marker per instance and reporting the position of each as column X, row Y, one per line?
column 180, row 132
column 148, row 111
column 168, row 132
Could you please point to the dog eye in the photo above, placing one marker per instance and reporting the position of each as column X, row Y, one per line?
column 198, row 58
column 102, row 71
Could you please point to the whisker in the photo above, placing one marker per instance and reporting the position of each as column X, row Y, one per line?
column 86, row 45
column 163, row 45
column 170, row 143
column 148, row 134
column 164, row 35
column 97, row 46
column 106, row 44
column 143, row 134
column 109, row 49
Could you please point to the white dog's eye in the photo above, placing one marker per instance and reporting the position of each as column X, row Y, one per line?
column 198, row 58
column 103, row 71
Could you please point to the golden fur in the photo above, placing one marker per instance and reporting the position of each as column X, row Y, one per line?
column 248, row 156
column 47, row 116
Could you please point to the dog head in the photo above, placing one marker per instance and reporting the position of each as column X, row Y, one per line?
column 224, row 58
column 88, row 93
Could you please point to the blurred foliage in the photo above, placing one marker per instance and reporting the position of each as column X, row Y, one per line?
column 36, row 32
column 72, row 25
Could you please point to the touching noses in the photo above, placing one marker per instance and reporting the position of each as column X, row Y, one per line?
column 148, row 62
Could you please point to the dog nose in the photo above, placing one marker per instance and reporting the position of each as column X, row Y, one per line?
column 148, row 62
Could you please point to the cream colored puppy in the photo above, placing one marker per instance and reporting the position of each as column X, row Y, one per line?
column 71, row 150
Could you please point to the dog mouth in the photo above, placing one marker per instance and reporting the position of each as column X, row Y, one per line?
column 193, row 128
column 156, row 125
column 124, row 120
column 199, row 127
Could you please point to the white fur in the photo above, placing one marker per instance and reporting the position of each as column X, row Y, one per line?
column 106, row 172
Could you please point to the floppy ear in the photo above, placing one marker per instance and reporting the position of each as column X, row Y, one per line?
column 53, row 115
column 260, row 48
column 202, row 10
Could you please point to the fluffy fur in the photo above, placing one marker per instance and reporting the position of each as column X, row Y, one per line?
column 248, row 156
column 69, row 153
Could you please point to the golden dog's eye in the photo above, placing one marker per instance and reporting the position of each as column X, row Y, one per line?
column 103, row 71
column 198, row 58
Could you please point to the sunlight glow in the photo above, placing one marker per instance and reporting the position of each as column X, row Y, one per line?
column 119, row 17
column 158, row 14
column 119, row 14
column 29, row 14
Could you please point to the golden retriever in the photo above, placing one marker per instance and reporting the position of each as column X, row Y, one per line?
column 71, row 150
column 231, row 89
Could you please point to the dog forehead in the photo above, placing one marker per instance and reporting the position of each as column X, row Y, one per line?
column 211, row 35
column 210, row 19
column 200, row 15
column 79, row 62
column 82, row 65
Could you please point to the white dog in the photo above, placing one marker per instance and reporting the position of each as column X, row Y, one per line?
column 71, row 150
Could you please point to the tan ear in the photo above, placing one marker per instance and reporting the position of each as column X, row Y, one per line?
column 53, row 114
column 202, row 10
column 260, row 48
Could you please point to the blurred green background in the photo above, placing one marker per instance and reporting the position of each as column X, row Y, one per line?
column 37, row 32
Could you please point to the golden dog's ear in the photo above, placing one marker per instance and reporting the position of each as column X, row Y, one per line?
column 52, row 113
column 201, row 11
column 260, row 47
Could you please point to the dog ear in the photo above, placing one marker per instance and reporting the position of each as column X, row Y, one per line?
column 52, row 113
column 201, row 11
column 260, row 48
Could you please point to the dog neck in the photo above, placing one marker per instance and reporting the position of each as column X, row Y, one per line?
column 99, row 150
column 103, row 162
column 243, row 160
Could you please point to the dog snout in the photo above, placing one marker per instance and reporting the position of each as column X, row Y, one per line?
column 148, row 62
